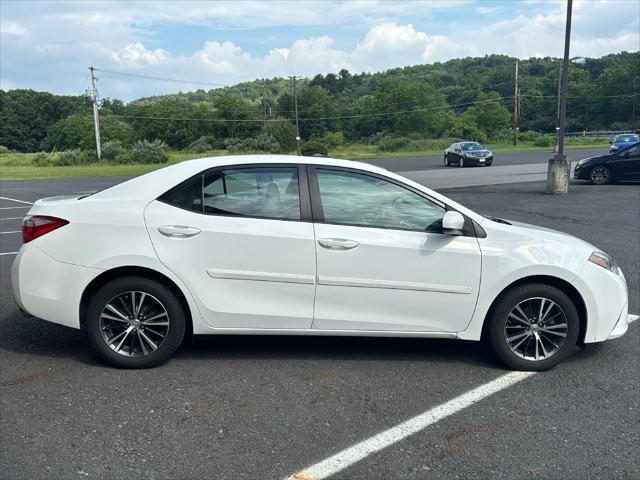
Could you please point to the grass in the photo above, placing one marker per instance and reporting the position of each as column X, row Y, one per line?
column 19, row 166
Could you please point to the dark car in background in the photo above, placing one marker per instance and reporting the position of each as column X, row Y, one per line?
column 620, row 166
column 463, row 154
column 622, row 141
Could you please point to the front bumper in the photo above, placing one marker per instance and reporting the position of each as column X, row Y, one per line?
column 478, row 161
column 580, row 172
column 622, row 325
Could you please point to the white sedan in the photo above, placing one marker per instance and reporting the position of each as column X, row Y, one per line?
column 306, row 246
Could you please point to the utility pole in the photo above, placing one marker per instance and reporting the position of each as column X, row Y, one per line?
column 96, row 117
column 555, row 148
column 295, row 104
column 559, row 167
column 516, row 109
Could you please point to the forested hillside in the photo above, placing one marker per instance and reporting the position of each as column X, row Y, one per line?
column 470, row 98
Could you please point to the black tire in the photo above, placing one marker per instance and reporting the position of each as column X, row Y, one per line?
column 600, row 175
column 167, row 299
column 496, row 327
column 488, row 164
column 446, row 161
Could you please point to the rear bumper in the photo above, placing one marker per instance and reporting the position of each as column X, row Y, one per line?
column 49, row 289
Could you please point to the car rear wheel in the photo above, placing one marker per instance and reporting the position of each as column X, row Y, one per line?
column 533, row 327
column 135, row 322
column 600, row 175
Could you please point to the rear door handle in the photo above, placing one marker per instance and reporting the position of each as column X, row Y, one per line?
column 178, row 231
column 337, row 243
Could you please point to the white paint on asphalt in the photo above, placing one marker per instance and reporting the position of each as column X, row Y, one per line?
column 11, row 218
column 8, row 253
column 16, row 200
column 12, row 208
column 14, row 231
column 351, row 455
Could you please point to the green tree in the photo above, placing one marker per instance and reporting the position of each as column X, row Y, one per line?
column 489, row 114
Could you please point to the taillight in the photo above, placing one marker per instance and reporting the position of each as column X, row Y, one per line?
column 34, row 226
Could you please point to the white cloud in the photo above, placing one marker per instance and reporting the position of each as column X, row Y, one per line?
column 136, row 55
column 59, row 40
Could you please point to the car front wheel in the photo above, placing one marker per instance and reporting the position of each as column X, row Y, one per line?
column 135, row 322
column 533, row 327
column 600, row 175
column 446, row 161
column 461, row 162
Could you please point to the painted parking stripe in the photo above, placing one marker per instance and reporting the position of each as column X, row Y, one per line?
column 351, row 455
column 8, row 253
column 13, row 208
column 16, row 200
column 11, row 218
column 14, row 231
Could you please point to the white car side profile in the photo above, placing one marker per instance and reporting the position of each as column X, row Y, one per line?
column 290, row 245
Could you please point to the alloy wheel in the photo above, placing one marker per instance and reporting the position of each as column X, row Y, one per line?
column 134, row 323
column 461, row 162
column 536, row 329
column 600, row 175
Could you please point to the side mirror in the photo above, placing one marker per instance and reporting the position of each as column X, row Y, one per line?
column 452, row 223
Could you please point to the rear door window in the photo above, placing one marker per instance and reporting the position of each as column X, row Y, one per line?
column 261, row 192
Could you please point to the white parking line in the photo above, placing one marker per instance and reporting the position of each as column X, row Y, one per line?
column 351, row 455
column 8, row 253
column 16, row 200
column 11, row 218
column 12, row 208
column 14, row 231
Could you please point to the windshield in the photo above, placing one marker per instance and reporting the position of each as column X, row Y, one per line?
column 626, row 139
column 470, row 146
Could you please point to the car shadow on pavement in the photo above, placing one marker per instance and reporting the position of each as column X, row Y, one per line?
column 31, row 336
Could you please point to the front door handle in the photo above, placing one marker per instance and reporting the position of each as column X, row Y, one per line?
column 178, row 231
column 337, row 243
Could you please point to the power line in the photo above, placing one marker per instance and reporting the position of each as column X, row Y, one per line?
column 162, row 79
column 186, row 119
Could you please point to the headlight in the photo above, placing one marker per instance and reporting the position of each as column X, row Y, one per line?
column 581, row 162
column 605, row 261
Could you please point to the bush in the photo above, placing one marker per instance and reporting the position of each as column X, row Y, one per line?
column 263, row 142
column 312, row 148
column 544, row 141
column 146, row 152
column 40, row 159
column 393, row 144
column 285, row 134
column 62, row 158
column 335, row 139
column 4, row 149
column 112, row 150
column 205, row 144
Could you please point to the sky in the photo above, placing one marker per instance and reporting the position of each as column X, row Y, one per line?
column 49, row 45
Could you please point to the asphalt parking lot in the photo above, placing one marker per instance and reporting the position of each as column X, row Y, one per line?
column 236, row 407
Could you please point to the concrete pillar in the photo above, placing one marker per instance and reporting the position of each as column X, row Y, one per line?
column 558, row 175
